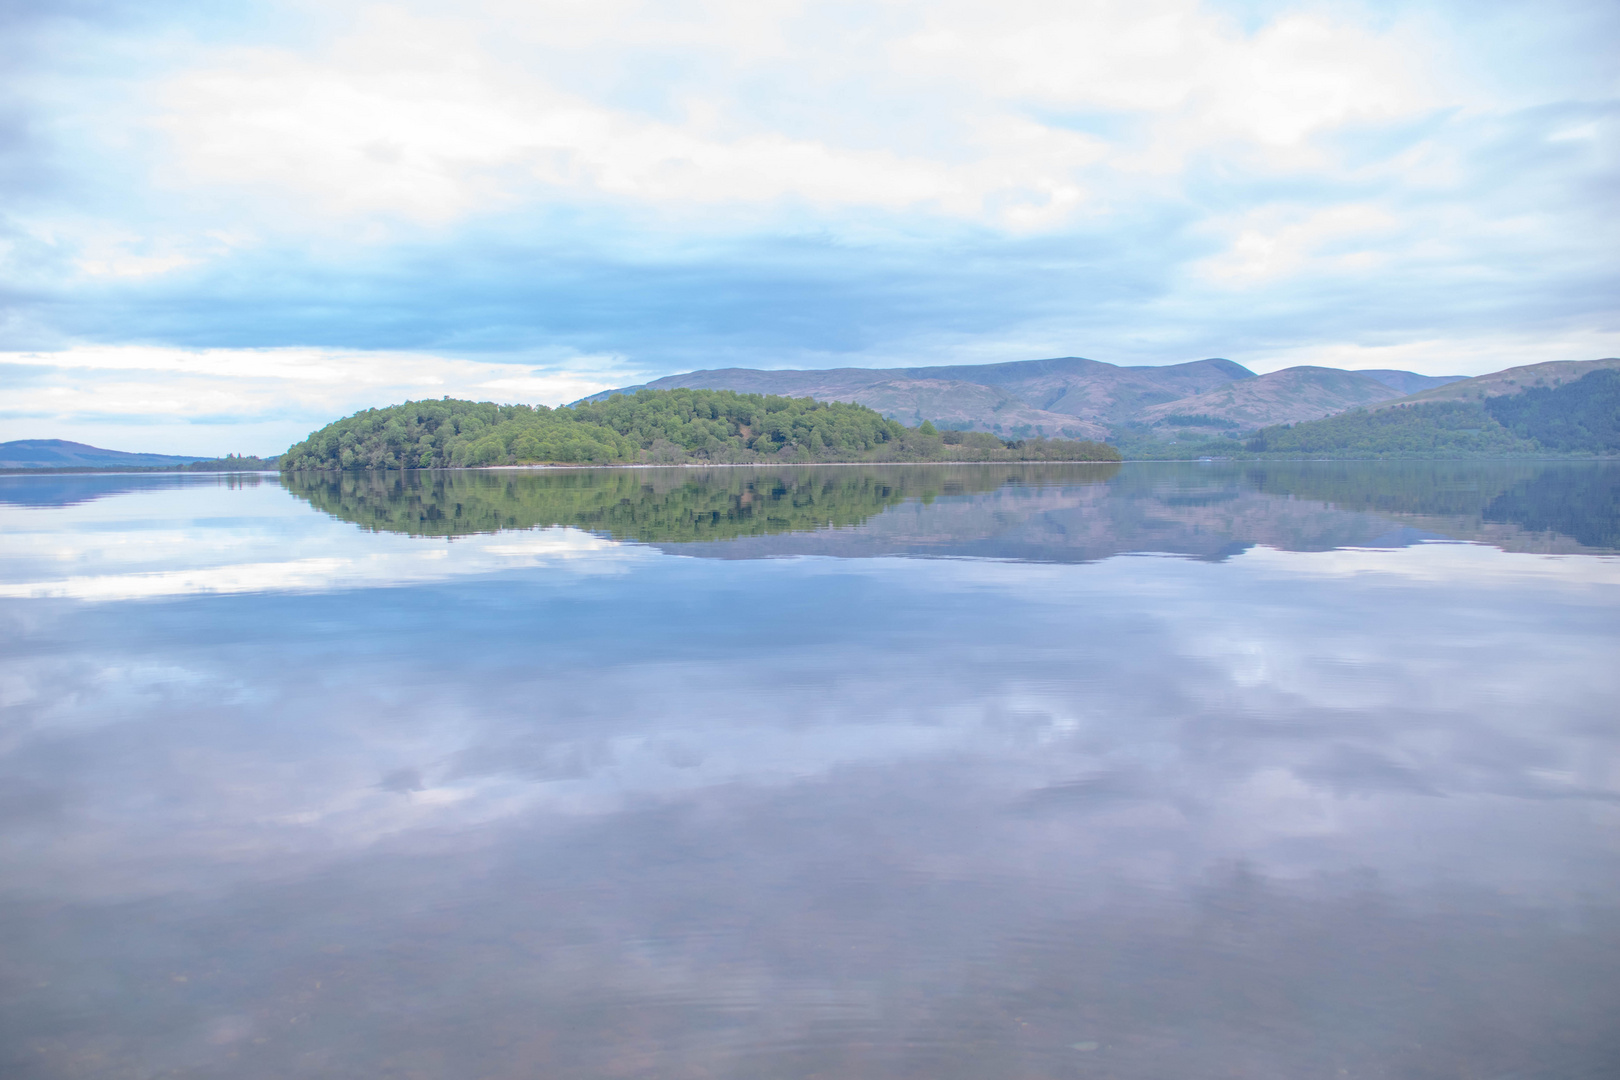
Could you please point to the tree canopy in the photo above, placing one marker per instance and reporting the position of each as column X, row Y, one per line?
column 1580, row 416
column 1439, row 429
column 650, row 427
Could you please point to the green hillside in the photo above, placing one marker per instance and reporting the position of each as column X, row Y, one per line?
column 650, row 427
column 1580, row 417
column 1444, row 429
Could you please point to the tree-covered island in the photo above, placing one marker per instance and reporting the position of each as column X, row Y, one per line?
column 652, row 427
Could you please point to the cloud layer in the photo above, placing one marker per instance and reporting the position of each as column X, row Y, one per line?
column 622, row 188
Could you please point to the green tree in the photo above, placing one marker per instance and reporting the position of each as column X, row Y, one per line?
column 681, row 426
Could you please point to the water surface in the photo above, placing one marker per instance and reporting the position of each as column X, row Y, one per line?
column 1035, row 771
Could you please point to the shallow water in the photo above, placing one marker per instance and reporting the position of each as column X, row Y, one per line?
column 1053, row 771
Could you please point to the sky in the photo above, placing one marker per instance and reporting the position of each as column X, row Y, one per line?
column 222, row 226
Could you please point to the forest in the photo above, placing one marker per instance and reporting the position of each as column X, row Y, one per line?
column 1580, row 417
column 1438, row 429
column 651, row 427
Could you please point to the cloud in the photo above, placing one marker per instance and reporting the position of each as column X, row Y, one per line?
column 651, row 188
column 210, row 400
column 1458, row 354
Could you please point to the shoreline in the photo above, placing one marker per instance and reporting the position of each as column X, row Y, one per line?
column 138, row 471
column 744, row 465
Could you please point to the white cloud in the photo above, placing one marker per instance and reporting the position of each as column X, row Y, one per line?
column 1187, row 64
column 379, row 124
column 1455, row 355
column 1272, row 242
column 181, row 401
column 435, row 116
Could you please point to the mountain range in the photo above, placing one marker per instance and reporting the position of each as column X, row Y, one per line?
column 1147, row 411
column 1077, row 398
column 61, row 454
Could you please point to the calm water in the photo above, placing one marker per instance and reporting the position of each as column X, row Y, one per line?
column 1160, row 771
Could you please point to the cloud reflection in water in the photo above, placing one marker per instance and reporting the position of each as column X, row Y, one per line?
column 1283, row 814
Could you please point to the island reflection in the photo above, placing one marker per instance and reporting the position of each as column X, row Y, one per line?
column 1045, row 513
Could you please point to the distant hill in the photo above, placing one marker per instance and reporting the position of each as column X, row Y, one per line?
column 1091, row 389
column 1282, row 397
column 1067, row 396
column 1513, row 380
column 967, row 406
column 1444, row 429
column 61, row 454
column 1073, row 397
column 1572, row 409
column 932, row 394
column 1408, row 382
column 1582, row 416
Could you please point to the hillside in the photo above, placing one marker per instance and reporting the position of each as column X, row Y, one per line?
column 1408, row 382
column 1282, row 397
column 651, row 427
column 1514, row 380
column 1067, row 396
column 61, row 454
column 1576, row 417
column 1581, row 416
column 963, row 405
column 1073, row 397
column 1091, row 389
column 1439, row 429
column 933, row 394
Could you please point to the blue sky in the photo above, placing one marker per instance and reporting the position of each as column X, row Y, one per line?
column 218, row 231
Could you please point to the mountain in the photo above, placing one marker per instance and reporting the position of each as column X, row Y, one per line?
column 1566, row 407
column 1073, row 397
column 61, row 454
column 967, row 406
column 1282, row 397
column 1513, row 380
column 1091, row 389
column 1408, row 382
column 1067, row 396
column 1580, row 416
column 911, row 396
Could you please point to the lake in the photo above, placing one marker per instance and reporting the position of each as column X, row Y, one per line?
column 1186, row 771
